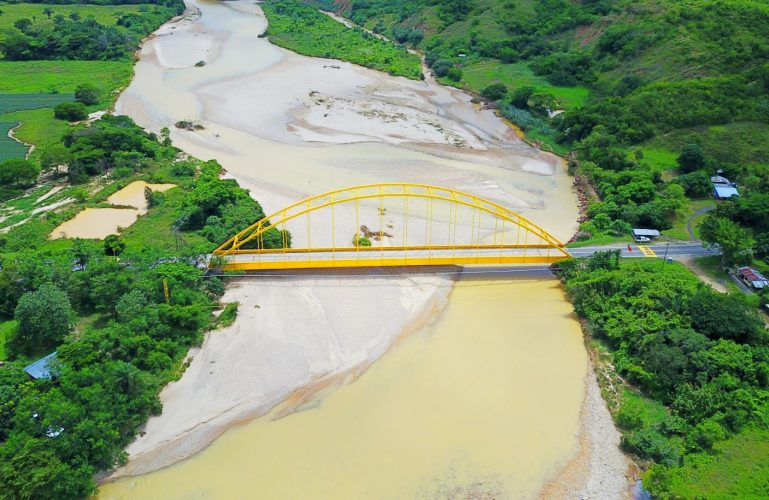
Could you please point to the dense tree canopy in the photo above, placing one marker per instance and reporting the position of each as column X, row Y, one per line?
column 45, row 316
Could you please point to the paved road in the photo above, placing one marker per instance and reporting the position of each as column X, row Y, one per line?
column 672, row 250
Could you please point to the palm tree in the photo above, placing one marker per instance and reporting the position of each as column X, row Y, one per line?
column 127, row 377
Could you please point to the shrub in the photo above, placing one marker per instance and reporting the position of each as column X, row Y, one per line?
column 70, row 111
column 87, row 94
column 441, row 67
column 360, row 241
column 113, row 245
column 455, row 74
column 494, row 92
column 520, row 97
column 691, row 158
column 696, row 184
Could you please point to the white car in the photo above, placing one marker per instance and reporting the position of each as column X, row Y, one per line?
column 642, row 239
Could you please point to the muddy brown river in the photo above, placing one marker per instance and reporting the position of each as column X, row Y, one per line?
column 483, row 404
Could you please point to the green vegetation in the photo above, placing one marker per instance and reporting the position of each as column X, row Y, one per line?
column 70, row 111
column 56, row 434
column 10, row 148
column 640, row 83
column 48, row 34
column 7, row 330
column 102, row 14
column 480, row 74
column 738, row 469
column 307, row 31
column 679, row 229
column 29, row 86
column 19, row 102
column 64, row 76
column 38, row 126
column 701, row 360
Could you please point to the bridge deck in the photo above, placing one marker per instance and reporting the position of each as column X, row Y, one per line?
column 389, row 257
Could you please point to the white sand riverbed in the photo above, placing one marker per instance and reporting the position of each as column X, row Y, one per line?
column 291, row 333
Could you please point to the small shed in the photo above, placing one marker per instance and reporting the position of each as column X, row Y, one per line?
column 42, row 367
column 724, row 192
column 752, row 278
column 645, row 233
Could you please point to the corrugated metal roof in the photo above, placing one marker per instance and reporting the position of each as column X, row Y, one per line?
column 653, row 233
column 750, row 274
column 725, row 191
column 41, row 367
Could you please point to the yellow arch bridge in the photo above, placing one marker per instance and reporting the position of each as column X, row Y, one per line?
column 389, row 225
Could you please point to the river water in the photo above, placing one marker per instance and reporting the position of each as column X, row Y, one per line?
column 483, row 404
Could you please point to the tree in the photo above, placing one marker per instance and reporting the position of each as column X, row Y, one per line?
column 22, row 24
column 87, row 94
column 691, row 158
column 70, row 111
column 454, row 73
column 48, row 11
column 761, row 248
column 520, row 97
column 735, row 242
column 45, row 316
column 695, row 184
column 494, row 92
column 724, row 316
column 18, row 173
column 441, row 67
column 55, row 156
column 130, row 306
column 113, row 245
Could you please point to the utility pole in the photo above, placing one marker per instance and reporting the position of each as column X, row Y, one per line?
column 665, row 258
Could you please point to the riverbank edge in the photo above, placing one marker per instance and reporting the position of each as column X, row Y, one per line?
column 169, row 453
column 581, row 186
column 602, row 399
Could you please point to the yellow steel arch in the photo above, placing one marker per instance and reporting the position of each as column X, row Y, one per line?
column 253, row 236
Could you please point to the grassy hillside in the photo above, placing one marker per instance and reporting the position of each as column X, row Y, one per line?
column 29, row 89
column 308, row 31
column 102, row 14
column 637, row 81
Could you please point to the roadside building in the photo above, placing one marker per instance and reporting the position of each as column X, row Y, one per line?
column 752, row 278
column 725, row 192
column 42, row 368
column 645, row 235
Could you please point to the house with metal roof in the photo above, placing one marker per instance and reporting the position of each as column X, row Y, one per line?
column 42, row 368
column 752, row 278
column 724, row 192
column 718, row 180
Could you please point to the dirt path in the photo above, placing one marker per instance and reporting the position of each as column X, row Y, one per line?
column 689, row 228
column 703, row 276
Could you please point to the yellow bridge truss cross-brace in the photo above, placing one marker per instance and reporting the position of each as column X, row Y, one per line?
column 246, row 250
